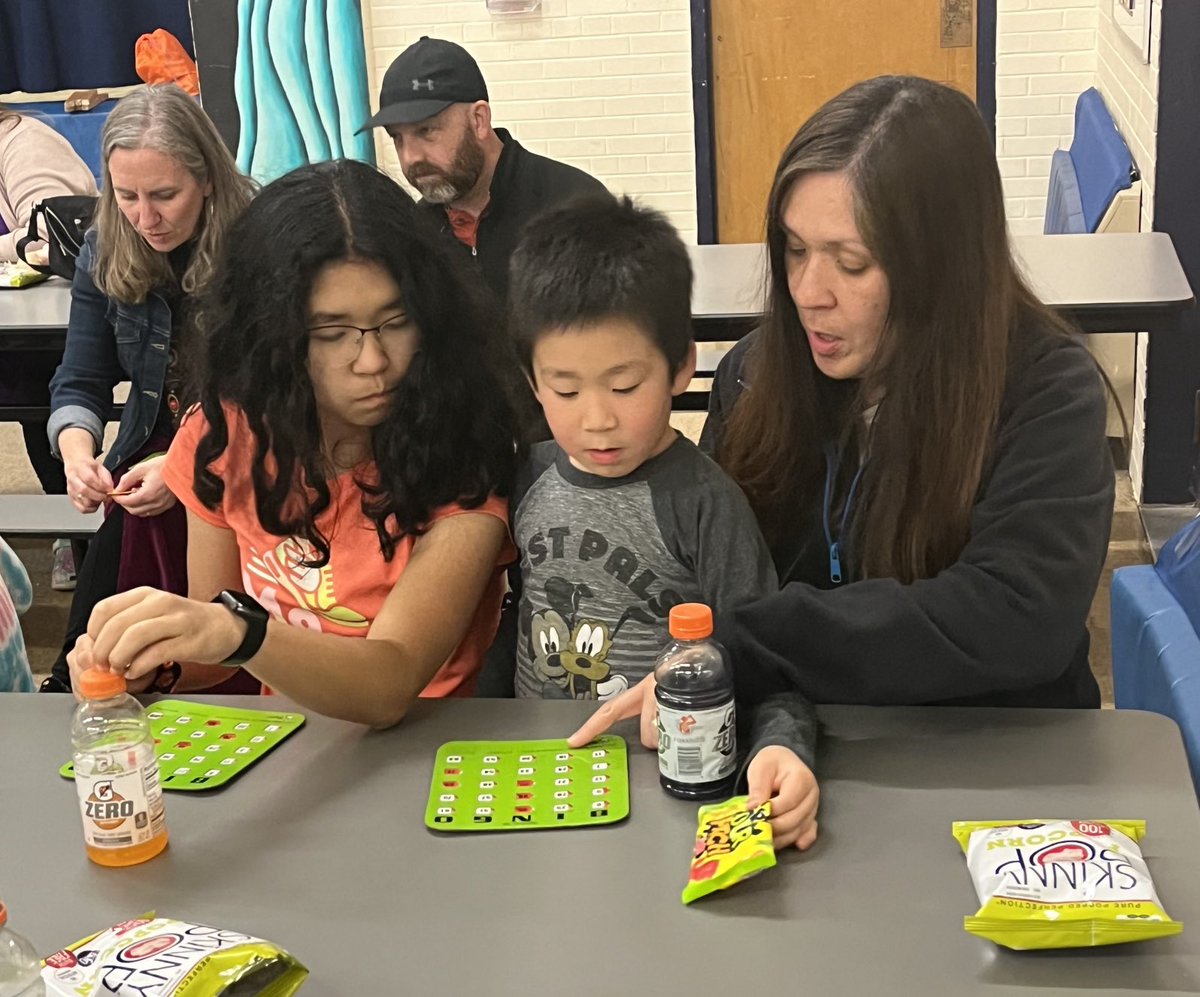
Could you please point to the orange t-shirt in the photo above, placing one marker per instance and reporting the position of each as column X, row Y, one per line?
column 345, row 595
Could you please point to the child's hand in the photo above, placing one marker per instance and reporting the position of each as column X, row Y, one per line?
column 80, row 658
column 777, row 774
column 636, row 702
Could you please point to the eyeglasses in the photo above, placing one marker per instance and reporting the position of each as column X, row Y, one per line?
column 342, row 344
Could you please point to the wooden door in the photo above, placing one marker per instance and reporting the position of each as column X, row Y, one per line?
column 777, row 61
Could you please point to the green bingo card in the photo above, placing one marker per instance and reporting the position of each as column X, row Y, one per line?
column 203, row 746
column 518, row 785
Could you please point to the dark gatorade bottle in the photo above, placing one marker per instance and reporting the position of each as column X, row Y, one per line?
column 697, row 744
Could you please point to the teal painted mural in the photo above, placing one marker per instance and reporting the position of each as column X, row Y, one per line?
column 298, row 87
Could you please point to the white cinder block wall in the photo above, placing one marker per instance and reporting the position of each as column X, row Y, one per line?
column 1047, row 53
column 1045, row 58
column 1130, row 89
column 604, row 85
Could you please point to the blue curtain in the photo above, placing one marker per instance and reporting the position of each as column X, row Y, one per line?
column 80, row 44
column 300, row 79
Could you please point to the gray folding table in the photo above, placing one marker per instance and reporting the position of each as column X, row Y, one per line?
column 321, row 847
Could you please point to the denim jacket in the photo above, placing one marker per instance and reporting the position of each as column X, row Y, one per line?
column 109, row 341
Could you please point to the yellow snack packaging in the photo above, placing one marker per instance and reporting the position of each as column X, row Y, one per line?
column 1052, row 884
column 732, row 843
column 160, row 957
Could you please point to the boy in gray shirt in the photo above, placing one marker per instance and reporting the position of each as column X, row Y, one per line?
column 619, row 518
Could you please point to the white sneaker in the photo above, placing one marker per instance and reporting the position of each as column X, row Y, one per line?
column 62, row 567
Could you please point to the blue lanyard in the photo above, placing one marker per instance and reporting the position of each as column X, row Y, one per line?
column 833, row 459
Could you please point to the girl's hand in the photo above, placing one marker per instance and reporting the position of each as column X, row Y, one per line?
column 777, row 774
column 80, row 658
column 638, row 701
column 149, row 493
column 88, row 482
column 136, row 631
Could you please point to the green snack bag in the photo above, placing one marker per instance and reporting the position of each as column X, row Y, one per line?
column 160, row 957
column 732, row 844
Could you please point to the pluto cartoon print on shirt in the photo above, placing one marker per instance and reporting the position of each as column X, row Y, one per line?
column 570, row 649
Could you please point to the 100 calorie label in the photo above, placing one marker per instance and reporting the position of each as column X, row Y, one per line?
column 120, row 796
column 696, row 746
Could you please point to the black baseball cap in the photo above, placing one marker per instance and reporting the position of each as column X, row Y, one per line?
column 425, row 79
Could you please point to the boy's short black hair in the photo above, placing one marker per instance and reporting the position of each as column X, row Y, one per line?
column 598, row 257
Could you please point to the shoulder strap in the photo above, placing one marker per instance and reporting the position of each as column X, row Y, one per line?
column 33, row 235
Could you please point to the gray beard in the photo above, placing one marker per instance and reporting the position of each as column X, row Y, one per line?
column 438, row 190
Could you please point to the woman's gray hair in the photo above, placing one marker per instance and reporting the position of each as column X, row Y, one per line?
column 166, row 119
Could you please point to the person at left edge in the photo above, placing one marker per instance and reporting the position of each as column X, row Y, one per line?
column 35, row 163
column 342, row 471
column 478, row 184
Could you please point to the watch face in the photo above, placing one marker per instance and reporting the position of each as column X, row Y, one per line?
column 241, row 604
column 239, row 600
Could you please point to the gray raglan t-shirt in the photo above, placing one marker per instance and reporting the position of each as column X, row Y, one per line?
column 603, row 560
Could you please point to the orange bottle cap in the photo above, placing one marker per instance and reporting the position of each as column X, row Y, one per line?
column 691, row 621
column 3, row 914
column 100, row 683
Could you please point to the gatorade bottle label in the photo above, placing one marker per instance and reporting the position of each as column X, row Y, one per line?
column 120, row 797
column 696, row 746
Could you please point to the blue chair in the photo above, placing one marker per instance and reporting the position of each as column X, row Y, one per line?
column 1085, row 179
column 1156, row 655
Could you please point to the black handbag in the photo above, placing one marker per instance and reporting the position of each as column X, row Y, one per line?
column 66, row 218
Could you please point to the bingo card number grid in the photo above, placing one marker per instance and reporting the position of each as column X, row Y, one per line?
column 523, row 785
column 202, row 746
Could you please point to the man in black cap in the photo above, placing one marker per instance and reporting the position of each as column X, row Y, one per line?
column 481, row 185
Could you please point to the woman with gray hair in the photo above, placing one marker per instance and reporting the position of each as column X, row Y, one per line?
column 170, row 191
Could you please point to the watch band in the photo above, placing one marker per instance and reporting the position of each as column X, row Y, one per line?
column 255, row 617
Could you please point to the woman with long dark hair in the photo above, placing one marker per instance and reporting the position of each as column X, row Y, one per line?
column 343, row 472
column 922, row 439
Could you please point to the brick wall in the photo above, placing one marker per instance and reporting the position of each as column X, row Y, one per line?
column 604, row 85
column 1130, row 89
column 1045, row 57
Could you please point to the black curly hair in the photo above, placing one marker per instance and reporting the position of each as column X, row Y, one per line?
column 449, row 436
column 596, row 257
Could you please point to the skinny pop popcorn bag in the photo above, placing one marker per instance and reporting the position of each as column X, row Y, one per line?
column 1049, row 884
column 160, row 957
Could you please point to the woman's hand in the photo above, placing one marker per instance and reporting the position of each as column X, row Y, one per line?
column 136, row 631
column 149, row 494
column 88, row 482
column 636, row 702
column 777, row 774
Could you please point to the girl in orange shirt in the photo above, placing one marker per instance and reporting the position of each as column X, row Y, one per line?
column 344, row 472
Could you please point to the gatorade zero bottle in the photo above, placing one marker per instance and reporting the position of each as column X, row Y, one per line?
column 697, row 743
column 116, row 773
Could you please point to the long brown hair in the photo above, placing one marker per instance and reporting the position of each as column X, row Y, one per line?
column 164, row 118
column 929, row 207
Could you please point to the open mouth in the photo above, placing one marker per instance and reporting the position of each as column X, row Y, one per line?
column 823, row 344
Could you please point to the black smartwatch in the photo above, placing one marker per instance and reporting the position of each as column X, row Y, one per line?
column 255, row 617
